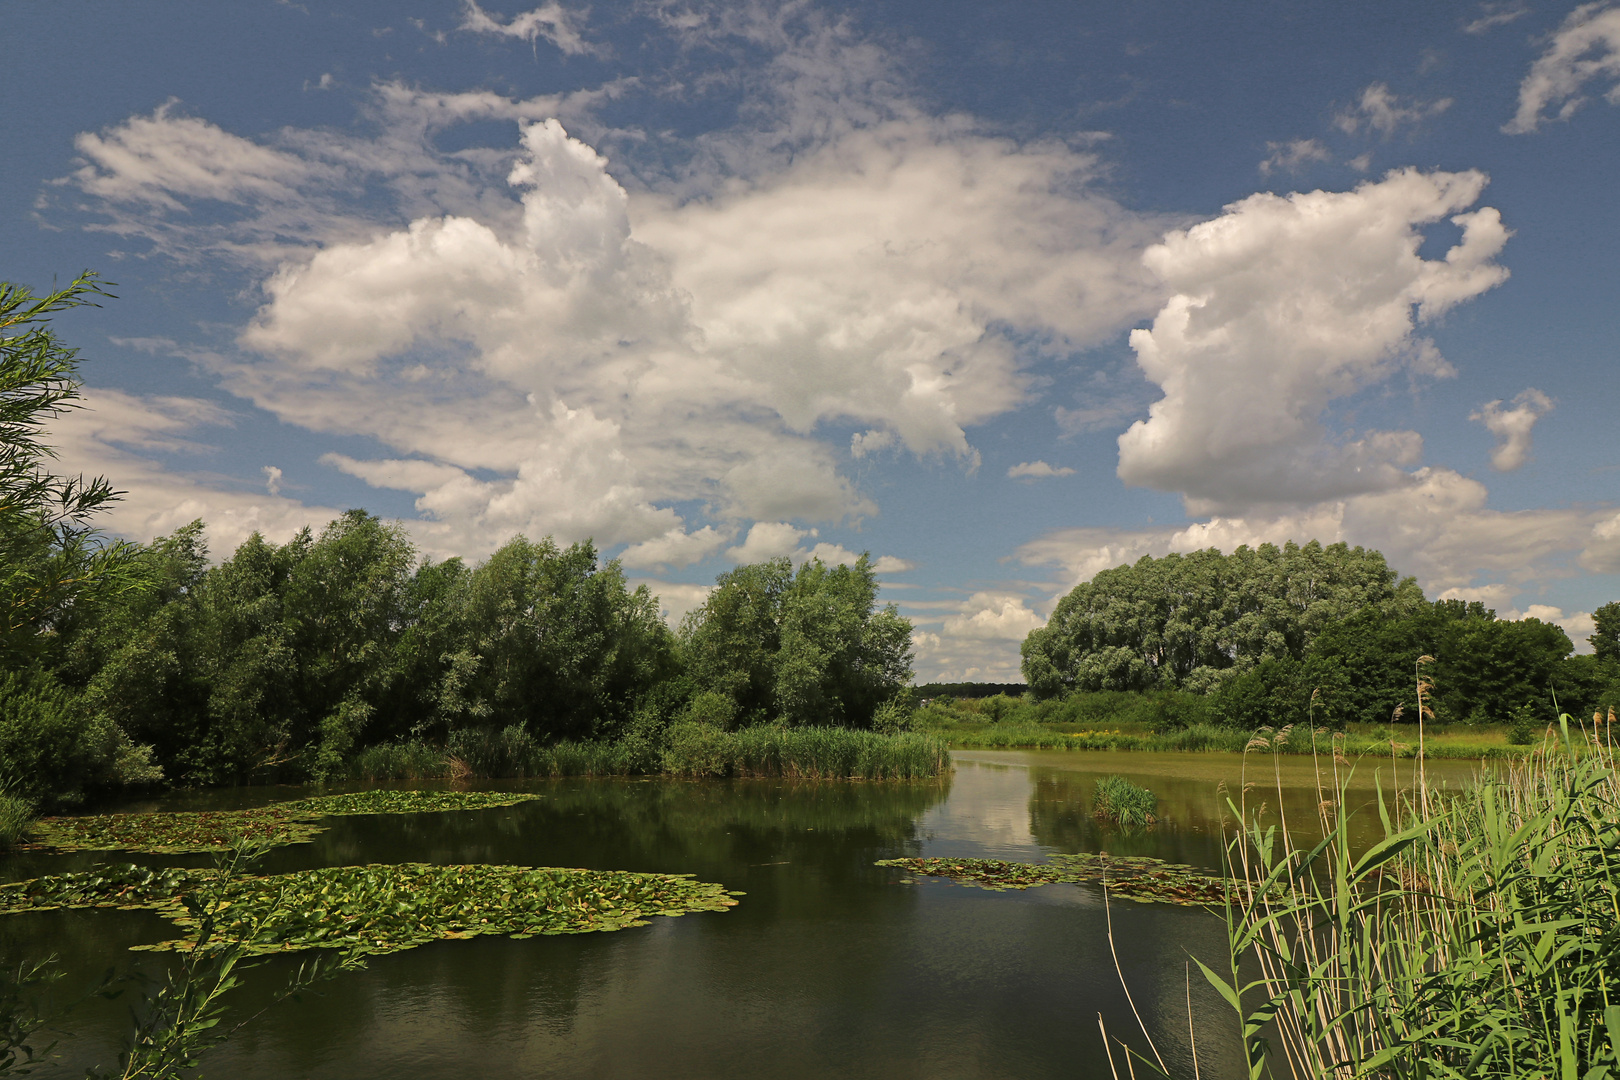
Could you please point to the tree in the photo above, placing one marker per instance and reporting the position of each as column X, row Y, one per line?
column 811, row 647
column 50, row 555
column 1184, row 621
column 1605, row 639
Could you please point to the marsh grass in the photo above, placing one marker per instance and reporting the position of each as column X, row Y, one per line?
column 16, row 818
column 1475, row 939
column 399, row 761
column 1117, row 800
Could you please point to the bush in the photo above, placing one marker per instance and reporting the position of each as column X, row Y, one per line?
column 510, row 752
column 51, row 747
column 399, row 761
column 1118, row 800
column 1522, row 727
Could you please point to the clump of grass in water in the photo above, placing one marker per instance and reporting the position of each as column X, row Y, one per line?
column 399, row 761
column 16, row 818
column 1118, row 800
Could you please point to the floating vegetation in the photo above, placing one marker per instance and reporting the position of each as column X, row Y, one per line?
column 377, row 908
column 1118, row 800
column 280, row 823
column 1127, row 877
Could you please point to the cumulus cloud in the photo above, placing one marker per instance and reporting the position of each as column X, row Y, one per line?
column 126, row 436
column 993, row 616
column 1578, row 625
column 778, row 539
column 1291, row 157
column 1379, row 110
column 675, row 599
column 1282, row 305
column 1037, row 470
column 550, row 21
column 1585, row 49
column 272, row 479
column 1438, row 529
column 1512, row 426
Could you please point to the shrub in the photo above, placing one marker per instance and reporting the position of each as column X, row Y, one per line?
column 1118, row 800
column 51, row 747
column 16, row 816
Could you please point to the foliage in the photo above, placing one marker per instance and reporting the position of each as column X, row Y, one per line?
column 20, row 1016
column 373, row 909
column 1124, row 877
column 1280, row 691
column 277, row 824
column 811, row 753
column 51, row 557
column 1118, row 800
column 1183, row 620
column 414, row 760
column 801, row 648
column 51, row 747
column 16, row 818
column 970, row 690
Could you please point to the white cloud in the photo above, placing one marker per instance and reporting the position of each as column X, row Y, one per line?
column 1584, row 49
column 1280, row 306
column 272, row 479
column 1578, row 625
column 675, row 548
column 675, row 599
column 116, row 434
column 892, row 564
column 1492, row 15
column 1437, row 529
column 1037, row 470
column 1384, row 112
column 1291, row 157
column 767, row 540
column 551, row 21
column 1512, row 426
column 943, row 658
column 995, row 616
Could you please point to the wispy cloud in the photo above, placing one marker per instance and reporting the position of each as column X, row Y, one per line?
column 1586, row 48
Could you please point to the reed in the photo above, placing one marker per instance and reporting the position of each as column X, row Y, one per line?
column 1118, row 800
column 16, row 818
column 1475, row 939
column 399, row 761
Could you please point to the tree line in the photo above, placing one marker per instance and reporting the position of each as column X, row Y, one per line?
column 1330, row 632
column 125, row 663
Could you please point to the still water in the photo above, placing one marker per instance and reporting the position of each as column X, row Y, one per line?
column 829, row 966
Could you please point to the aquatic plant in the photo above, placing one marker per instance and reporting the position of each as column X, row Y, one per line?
column 399, row 761
column 1476, row 938
column 1125, row 877
column 274, row 825
column 373, row 909
column 16, row 818
column 1118, row 800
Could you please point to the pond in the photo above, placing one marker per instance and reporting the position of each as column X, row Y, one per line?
column 828, row 966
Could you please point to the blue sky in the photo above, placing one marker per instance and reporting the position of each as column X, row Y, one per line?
column 1003, row 294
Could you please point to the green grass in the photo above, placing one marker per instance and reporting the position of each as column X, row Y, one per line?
column 1401, row 742
column 16, row 819
column 399, row 761
column 1118, row 800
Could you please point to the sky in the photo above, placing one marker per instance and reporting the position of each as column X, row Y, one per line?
column 1001, row 294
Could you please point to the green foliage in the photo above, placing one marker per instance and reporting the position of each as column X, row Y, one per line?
column 1282, row 691
column 374, row 909
column 1117, row 800
column 1179, row 621
column 803, row 648
column 1522, row 729
column 1124, row 877
column 811, row 753
column 51, row 747
column 1605, row 638
column 412, row 760
column 20, row 1015
column 51, row 558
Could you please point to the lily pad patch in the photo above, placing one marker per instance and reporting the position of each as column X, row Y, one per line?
column 375, row 909
column 1126, row 877
column 274, row 825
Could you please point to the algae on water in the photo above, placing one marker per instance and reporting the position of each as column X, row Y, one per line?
column 1127, row 877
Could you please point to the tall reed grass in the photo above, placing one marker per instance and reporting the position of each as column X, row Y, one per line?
column 16, row 817
column 1118, row 800
column 1480, row 937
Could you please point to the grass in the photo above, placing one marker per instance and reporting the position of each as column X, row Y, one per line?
column 16, row 819
column 1476, row 938
column 1118, row 800
column 399, row 761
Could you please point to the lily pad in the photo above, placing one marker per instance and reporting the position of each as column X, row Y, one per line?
column 1127, row 877
column 274, row 825
column 376, row 908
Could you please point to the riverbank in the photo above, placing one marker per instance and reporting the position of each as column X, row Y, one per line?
column 1456, row 741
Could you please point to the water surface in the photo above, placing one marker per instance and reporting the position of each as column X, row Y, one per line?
column 829, row 966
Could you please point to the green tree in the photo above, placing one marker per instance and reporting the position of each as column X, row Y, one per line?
column 1184, row 621
column 1605, row 639
column 811, row 647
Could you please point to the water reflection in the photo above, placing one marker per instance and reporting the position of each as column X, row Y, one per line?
column 828, row 967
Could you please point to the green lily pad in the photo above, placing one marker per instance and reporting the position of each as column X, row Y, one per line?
column 274, row 825
column 375, row 909
column 1126, row 877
